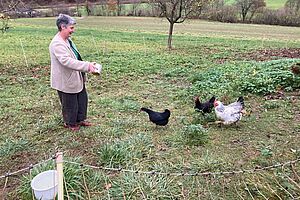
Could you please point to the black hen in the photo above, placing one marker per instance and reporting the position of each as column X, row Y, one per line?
column 205, row 107
column 158, row 118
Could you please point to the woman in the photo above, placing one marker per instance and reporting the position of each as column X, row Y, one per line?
column 68, row 74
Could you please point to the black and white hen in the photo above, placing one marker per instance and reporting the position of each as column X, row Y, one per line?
column 229, row 114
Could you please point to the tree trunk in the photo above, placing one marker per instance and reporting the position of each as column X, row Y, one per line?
column 77, row 9
column 88, row 11
column 119, row 8
column 170, row 35
column 244, row 14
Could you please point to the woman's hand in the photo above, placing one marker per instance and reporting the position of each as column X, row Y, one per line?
column 92, row 68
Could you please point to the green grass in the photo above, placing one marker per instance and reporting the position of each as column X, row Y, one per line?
column 138, row 70
column 271, row 4
column 275, row 4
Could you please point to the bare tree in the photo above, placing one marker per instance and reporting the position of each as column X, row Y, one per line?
column 134, row 8
column 10, row 5
column 293, row 5
column 112, row 6
column 87, row 8
column 77, row 9
column 249, row 6
column 176, row 11
column 119, row 7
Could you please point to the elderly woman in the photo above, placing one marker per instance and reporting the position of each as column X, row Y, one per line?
column 68, row 74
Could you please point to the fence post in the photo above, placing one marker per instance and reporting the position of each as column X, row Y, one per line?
column 60, row 175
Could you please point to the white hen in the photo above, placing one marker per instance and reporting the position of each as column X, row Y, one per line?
column 231, row 113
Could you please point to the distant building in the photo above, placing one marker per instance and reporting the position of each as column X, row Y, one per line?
column 27, row 12
column 23, row 12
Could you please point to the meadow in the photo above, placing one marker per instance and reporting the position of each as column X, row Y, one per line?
column 275, row 4
column 271, row 4
column 208, row 58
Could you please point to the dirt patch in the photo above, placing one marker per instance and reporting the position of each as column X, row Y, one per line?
column 272, row 54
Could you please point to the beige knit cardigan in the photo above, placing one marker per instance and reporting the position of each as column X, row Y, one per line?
column 65, row 68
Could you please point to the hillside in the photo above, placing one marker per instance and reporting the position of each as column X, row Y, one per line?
column 272, row 4
column 275, row 4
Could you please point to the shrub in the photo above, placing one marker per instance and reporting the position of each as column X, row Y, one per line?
column 4, row 19
column 278, row 17
column 224, row 14
column 195, row 135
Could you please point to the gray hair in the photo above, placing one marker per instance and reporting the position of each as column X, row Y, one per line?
column 64, row 20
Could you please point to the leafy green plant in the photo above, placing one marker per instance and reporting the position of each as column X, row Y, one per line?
column 267, row 152
column 195, row 135
column 9, row 147
column 271, row 104
column 270, row 76
column 254, row 78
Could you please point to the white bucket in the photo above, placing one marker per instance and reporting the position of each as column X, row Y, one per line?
column 45, row 185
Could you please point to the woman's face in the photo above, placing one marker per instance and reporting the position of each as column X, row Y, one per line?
column 67, row 30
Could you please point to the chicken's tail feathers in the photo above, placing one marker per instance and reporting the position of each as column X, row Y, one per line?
column 241, row 100
column 197, row 102
column 212, row 100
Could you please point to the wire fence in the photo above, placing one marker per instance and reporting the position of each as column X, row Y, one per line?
column 209, row 180
column 188, row 174
column 30, row 166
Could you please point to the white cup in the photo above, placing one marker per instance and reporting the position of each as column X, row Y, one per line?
column 98, row 68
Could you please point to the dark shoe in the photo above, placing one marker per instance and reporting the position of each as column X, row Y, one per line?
column 85, row 123
column 72, row 128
